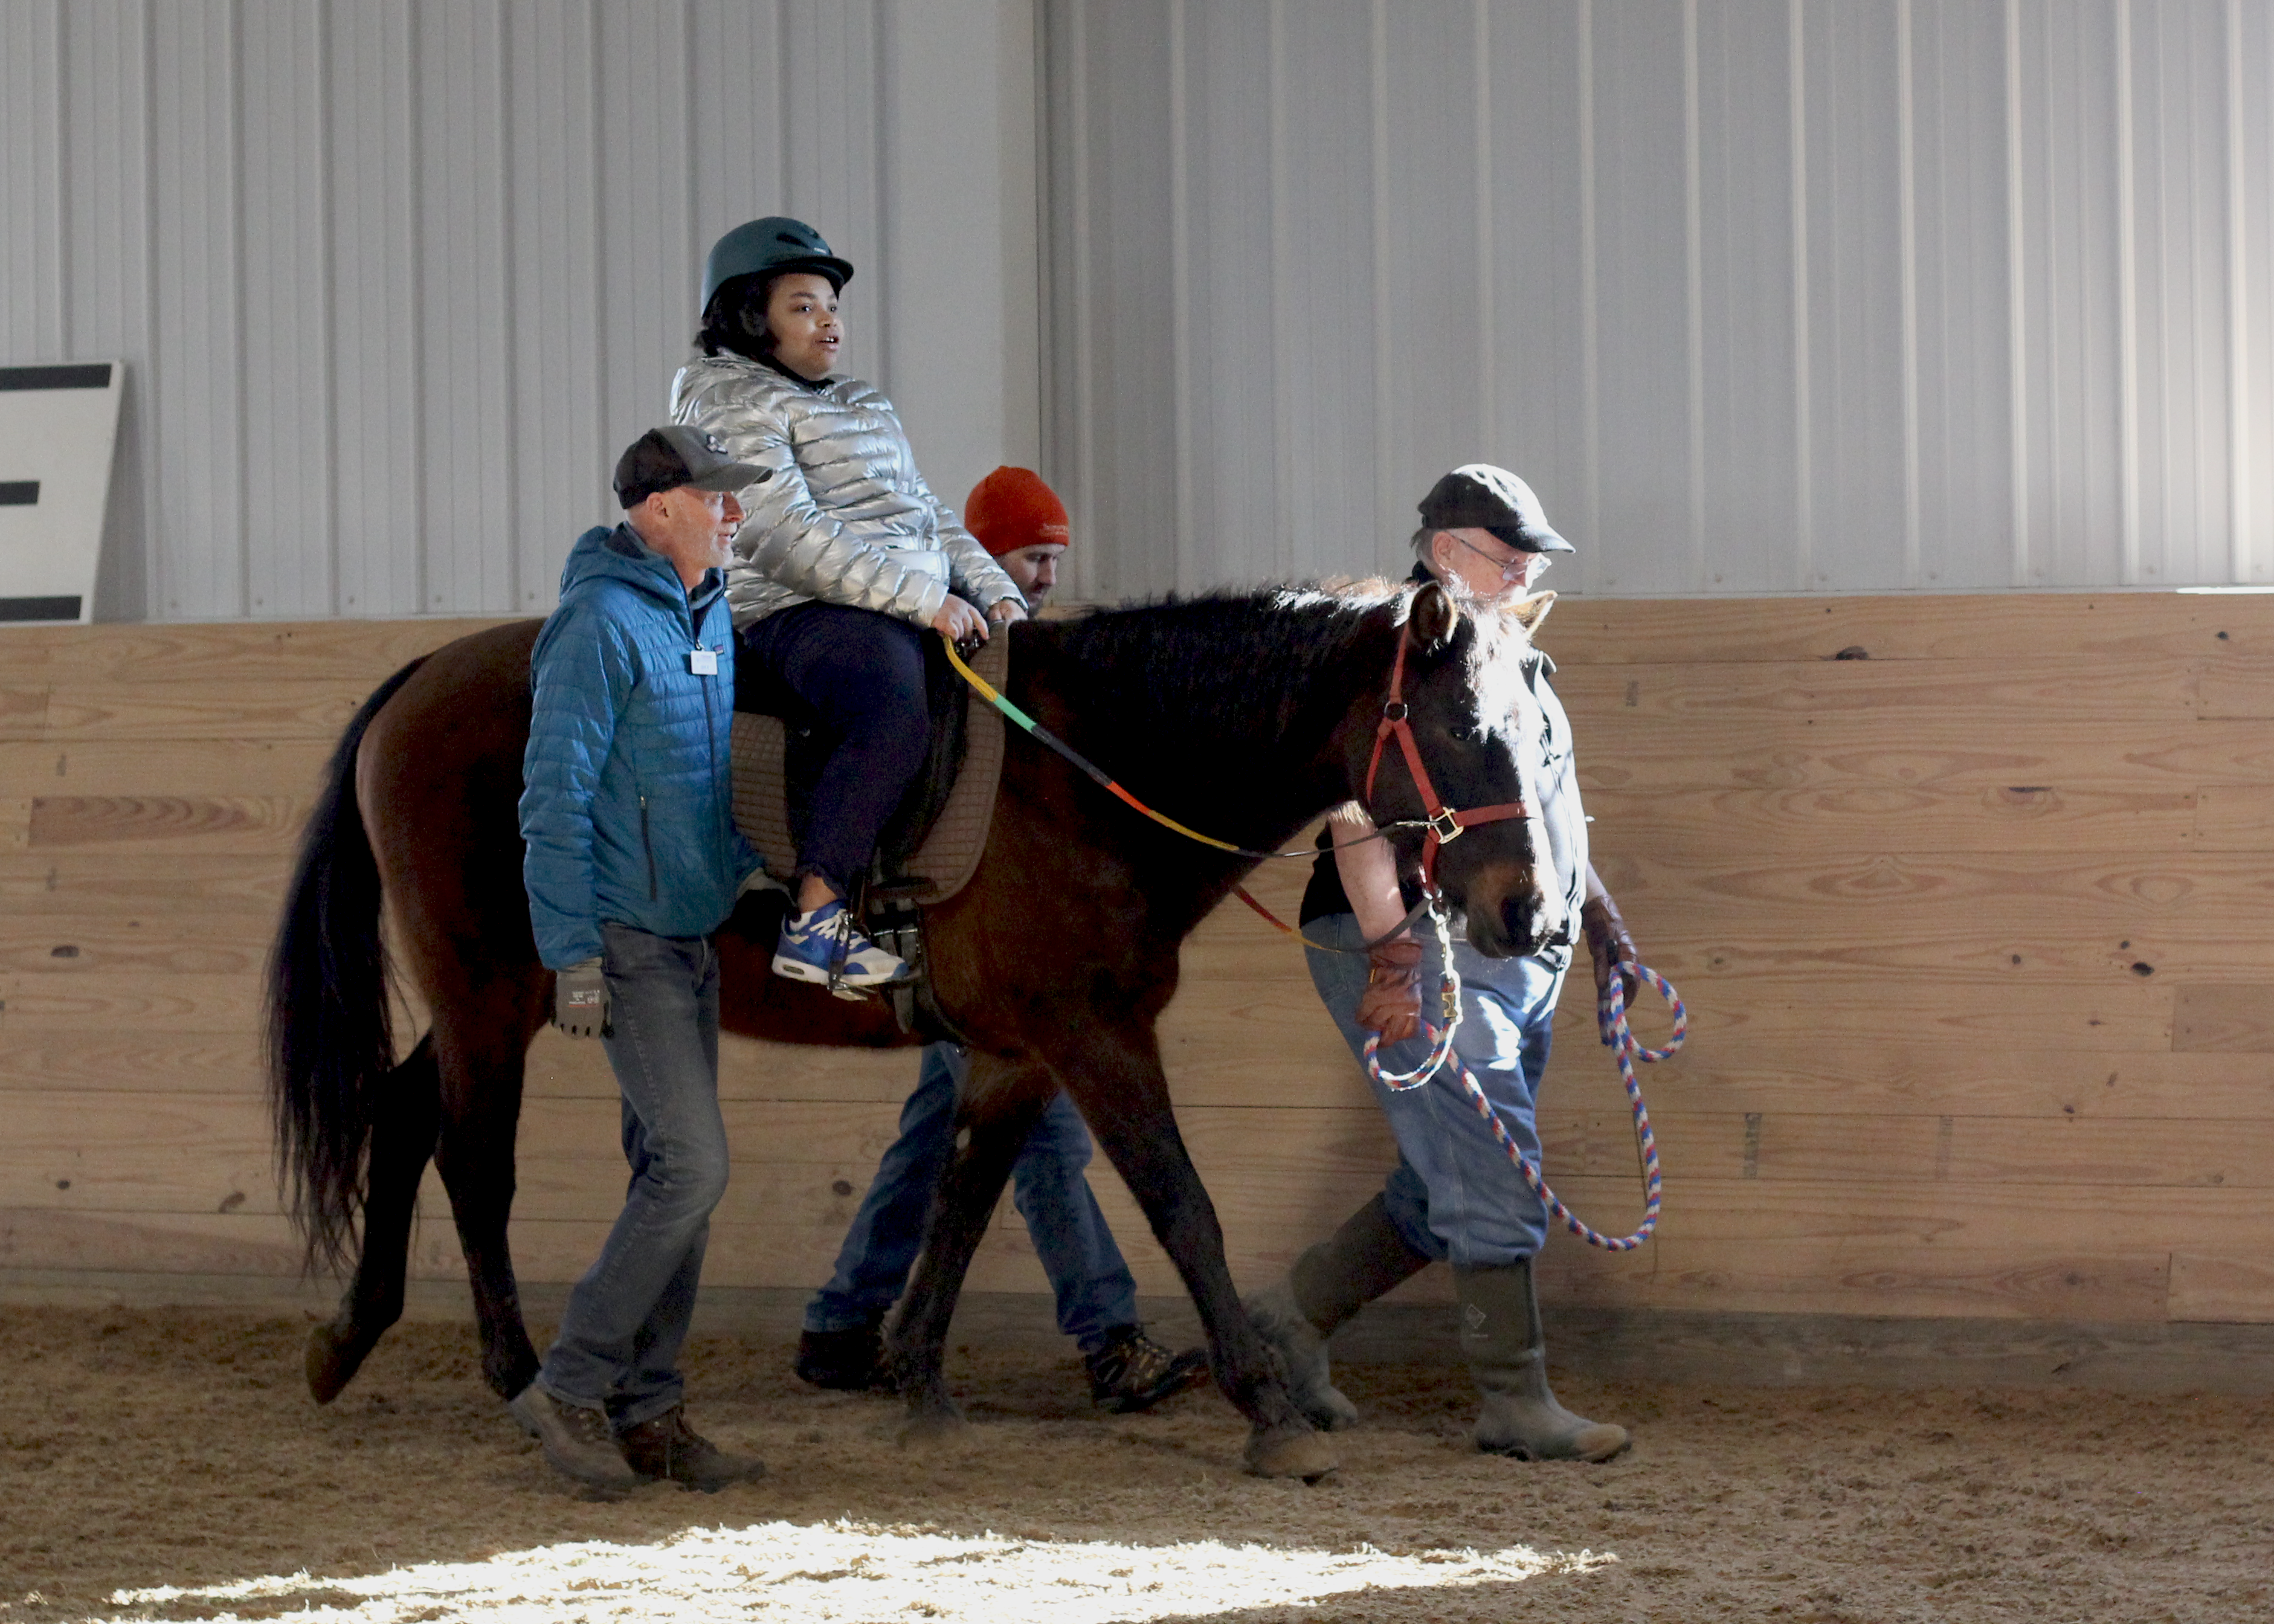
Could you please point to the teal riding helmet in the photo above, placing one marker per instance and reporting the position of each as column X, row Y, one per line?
column 766, row 247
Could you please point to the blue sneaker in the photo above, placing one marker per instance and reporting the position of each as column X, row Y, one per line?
column 823, row 947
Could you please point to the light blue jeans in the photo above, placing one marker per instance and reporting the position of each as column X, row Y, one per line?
column 1094, row 1291
column 1453, row 1194
column 620, row 1335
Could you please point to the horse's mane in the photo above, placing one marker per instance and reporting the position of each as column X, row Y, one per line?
column 1213, row 657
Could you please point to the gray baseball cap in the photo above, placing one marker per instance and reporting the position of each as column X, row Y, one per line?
column 679, row 454
column 1478, row 496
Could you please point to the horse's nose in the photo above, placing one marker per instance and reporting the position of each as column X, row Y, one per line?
column 1534, row 919
column 1519, row 922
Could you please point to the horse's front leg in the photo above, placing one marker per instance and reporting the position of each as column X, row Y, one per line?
column 996, row 1112
column 1115, row 1075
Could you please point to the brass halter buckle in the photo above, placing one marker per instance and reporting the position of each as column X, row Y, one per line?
column 1446, row 825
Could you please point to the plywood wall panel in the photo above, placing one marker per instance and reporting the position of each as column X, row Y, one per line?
column 1961, row 1044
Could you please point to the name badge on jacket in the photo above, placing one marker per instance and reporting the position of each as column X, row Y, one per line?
column 702, row 662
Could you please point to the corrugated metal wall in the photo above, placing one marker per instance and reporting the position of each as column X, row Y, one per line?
column 396, row 282
column 1762, row 295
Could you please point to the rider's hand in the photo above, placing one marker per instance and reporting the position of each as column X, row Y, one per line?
column 958, row 622
column 1391, row 1003
column 580, row 1000
column 1006, row 610
column 1612, row 949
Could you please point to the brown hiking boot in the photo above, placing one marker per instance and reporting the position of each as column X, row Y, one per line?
column 667, row 1448
column 1133, row 1372
column 576, row 1439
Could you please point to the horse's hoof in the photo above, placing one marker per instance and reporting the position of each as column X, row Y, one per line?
column 1290, row 1452
column 932, row 1421
column 331, row 1363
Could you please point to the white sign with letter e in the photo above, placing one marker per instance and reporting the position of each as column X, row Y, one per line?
column 58, row 428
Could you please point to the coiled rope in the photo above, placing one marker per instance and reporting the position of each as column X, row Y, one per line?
column 1611, row 1016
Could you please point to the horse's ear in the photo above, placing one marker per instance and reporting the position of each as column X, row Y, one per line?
column 1434, row 618
column 1532, row 611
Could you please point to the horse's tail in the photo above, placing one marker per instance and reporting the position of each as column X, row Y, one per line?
column 331, row 1037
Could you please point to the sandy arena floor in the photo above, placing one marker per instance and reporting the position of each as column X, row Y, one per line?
column 171, row 1466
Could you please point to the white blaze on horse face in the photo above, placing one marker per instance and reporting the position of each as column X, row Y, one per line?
column 1509, row 707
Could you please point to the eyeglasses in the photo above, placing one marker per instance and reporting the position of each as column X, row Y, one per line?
column 1521, row 567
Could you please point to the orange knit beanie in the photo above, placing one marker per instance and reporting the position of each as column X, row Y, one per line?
column 1012, row 509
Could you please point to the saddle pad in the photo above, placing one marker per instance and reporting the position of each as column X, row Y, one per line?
column 950, row 853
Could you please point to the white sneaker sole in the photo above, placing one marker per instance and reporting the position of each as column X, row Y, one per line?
column 798, row 970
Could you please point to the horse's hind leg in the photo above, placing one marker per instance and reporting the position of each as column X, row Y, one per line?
column 1000, row 1106
column 402, row 1143
column 482, row 1066
column 1116, row 1079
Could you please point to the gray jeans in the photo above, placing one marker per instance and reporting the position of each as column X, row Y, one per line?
column 620, row 1335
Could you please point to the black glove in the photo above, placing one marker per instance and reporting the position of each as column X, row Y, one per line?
column 580, row 1000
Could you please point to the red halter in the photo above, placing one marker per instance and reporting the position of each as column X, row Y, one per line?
column 1445, row 824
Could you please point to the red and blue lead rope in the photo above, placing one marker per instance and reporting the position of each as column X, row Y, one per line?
column 1611, row 1015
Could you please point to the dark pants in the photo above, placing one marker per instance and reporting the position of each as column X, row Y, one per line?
column 619, row 1335
column 863, row 675
column 1095, row 1292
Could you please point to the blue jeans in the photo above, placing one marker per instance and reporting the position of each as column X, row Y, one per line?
column 1454, row 1195
column 1094, row 1291
column 618, row 1349
column 863, row 675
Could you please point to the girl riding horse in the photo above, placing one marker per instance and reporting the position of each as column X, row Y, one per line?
column 845, row 557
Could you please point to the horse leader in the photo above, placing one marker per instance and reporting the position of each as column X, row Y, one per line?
column 547, row 809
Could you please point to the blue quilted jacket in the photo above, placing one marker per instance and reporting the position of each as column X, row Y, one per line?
column 627, row 801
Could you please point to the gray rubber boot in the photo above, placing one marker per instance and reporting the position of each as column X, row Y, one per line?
column 1329, row 1283
column 1507, row 1351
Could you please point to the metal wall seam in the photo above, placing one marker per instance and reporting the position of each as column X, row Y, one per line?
column 508, row 597
column 1283, row 307
column 328, row 307
column 1591, row 390
column 1488, row 217
column 2127, row 312
column 1693, row 244
column 1083, row 202
column 1189, row 573
column 1907, row 206
column 2238, row 312
column 1803, row 359
column 55, row 181
column 2016, row 305
column 1385, row 416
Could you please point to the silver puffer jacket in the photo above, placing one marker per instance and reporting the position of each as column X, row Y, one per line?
column 847, row 518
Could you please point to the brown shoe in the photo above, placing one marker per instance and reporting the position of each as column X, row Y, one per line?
column 1133, row 1372
column 667, row 1448
column 576, row 1438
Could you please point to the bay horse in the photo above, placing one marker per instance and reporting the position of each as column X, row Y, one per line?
column 1246, row 715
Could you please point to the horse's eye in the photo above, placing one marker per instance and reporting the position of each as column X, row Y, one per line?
column 1463, row 732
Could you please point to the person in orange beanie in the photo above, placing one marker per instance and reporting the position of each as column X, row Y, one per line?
column 1021, row 522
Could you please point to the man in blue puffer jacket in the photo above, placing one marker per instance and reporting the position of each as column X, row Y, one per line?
column 633, row 861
